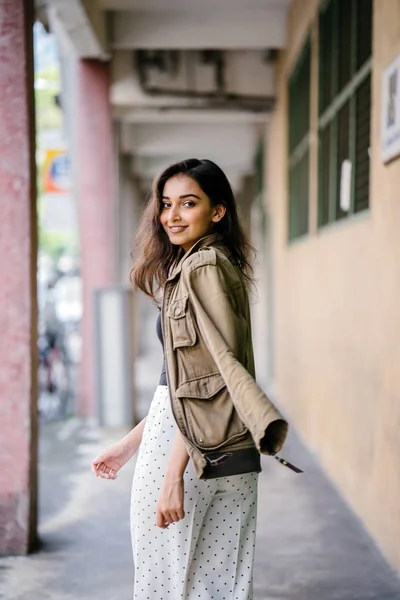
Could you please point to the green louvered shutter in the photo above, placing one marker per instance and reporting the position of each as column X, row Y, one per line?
column 345, row 39
column 299, row 127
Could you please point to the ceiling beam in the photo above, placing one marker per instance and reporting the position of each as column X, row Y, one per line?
column 243, row 29
column 189, row 116
column 80, row 26
column 206, row 5
column 190, row 139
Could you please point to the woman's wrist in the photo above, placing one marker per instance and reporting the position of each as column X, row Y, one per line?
column 178, row 461
column 133, row 439
column 174, row 475
column 132, row 442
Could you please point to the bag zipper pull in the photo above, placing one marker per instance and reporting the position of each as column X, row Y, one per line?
column 216, row 461
column 287, row 464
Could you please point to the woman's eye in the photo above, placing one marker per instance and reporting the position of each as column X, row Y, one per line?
column 165, row 205
column 190, row 203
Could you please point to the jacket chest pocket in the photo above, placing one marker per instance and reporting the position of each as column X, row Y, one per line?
column 182, row 327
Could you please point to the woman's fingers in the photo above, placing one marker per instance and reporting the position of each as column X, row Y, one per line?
column 174, row 516
column 160, row 519
column 97, row 463
column 164, row 518
column 181, row 514
column 102, row 458
column 97, row 470
column 102, row 470
column 96, row 467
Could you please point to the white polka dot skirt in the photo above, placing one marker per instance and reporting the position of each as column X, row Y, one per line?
column 209, row 554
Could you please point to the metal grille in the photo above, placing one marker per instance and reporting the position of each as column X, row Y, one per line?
column 345, row 38
column 343, row 138
column 299, row 125
column 364, row 29
column 302, row 204
column 325, row 142
column 299, row 111
column 363, row 126
column 325, row 57
column 345, row 42
column 298, row 198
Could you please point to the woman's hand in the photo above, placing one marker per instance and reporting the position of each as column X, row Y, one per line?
column 111, row 459
column 170, row 503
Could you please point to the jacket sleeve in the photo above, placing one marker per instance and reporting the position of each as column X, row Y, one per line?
column 221, row 329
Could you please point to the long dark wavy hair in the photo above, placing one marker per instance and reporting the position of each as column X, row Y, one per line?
column 153, row 252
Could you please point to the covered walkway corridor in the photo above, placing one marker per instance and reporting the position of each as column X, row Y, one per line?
column 272, row 92
column 309, row 545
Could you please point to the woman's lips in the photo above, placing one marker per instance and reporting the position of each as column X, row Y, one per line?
column 177, row 229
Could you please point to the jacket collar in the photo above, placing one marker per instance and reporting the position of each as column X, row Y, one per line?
column 208, row 240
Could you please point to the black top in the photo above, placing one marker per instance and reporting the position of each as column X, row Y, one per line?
column 163, row 376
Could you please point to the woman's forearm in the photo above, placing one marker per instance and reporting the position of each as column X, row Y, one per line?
column 133, row 439
column 178, row 459
column 170, row 503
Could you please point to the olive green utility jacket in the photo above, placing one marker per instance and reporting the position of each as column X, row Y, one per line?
column 215, row 400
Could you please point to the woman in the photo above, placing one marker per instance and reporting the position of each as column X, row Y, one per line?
column 194, row 494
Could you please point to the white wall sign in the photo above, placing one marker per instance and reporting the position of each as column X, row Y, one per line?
column 390, row 124
column 345, row 185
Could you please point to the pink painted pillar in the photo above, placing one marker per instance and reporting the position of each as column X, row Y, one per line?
column 18, row 248
column 95, row 192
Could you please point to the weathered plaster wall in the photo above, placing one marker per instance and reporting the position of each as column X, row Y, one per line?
column 336, row 298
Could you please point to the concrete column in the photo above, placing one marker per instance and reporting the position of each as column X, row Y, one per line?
column 96, row 206
column 129, row 209
column 18, row 308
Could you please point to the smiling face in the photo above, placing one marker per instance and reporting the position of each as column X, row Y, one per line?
column 187, row 214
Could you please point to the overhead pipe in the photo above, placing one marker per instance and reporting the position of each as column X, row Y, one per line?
column 219, row 98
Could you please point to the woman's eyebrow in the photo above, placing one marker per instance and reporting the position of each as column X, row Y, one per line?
column 183, row 197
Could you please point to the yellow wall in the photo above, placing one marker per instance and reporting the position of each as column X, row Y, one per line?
column 337, row 305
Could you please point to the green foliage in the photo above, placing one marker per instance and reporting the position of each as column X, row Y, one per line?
column 47, row 86
column 55, row 244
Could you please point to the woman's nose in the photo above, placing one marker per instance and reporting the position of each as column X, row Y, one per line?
column 174, row 214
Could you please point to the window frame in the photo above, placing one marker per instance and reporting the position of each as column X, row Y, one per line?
column 329, row 115
column 299, row 152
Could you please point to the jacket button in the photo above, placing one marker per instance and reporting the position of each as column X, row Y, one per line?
column 200, row 440
column 177, row 310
